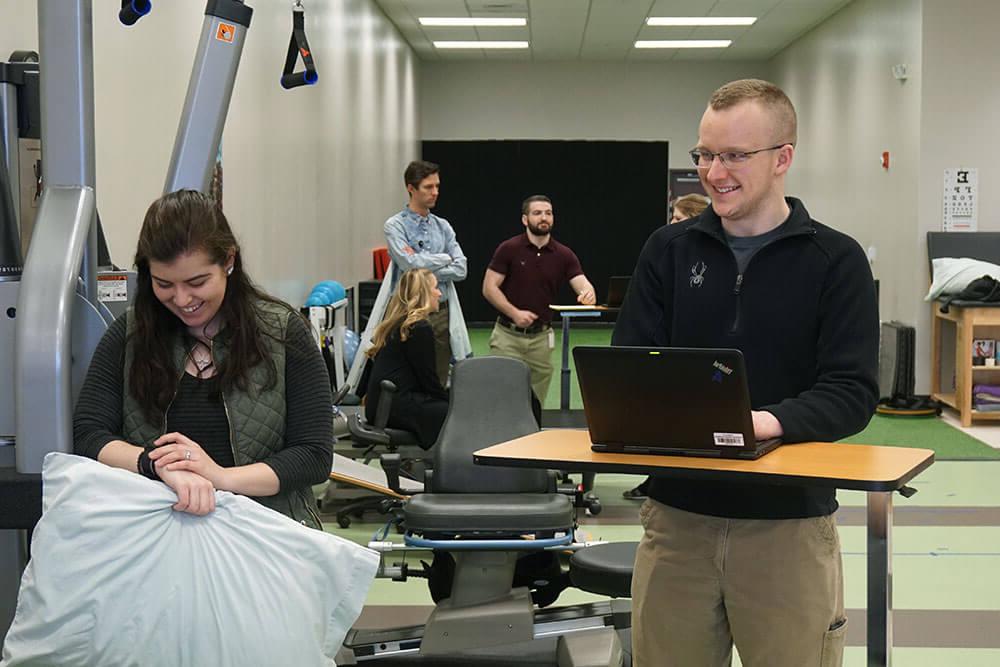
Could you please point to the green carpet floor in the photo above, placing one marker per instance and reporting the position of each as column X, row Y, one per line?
column 480, row 339
column 948, row 442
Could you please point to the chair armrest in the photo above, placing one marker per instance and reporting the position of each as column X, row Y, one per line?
column 363, row 434
column 552, row 486
column 384, row 404
column 429, row 479
column 390, row 466
column 341, row 394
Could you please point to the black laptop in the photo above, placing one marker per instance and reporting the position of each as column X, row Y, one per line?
column 668, row 400
column 617, row 286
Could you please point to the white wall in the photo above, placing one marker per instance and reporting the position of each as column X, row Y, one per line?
column 850, row 110
column 575, row 100
column 959, row 111
column 18, row 27
column 309, row 174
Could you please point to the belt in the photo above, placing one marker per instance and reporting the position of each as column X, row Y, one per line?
column 537, row 327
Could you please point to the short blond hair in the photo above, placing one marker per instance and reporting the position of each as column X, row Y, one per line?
column 768, row 95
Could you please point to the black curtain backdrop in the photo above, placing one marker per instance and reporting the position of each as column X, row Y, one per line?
column 608, row 197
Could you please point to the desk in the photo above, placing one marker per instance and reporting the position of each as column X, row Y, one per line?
column 877, row 470
column 567, row 313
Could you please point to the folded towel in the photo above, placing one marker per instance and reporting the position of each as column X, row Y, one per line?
column 991, row 389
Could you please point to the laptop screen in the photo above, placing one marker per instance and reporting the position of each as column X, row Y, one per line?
column 617, row 287
column 686, row 398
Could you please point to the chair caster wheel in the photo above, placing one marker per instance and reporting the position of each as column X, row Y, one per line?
column 344, row 521
column 594, row 507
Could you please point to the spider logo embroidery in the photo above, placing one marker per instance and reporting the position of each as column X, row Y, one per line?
column 698, row 274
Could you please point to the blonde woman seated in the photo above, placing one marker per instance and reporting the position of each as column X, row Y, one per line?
column 403, row 352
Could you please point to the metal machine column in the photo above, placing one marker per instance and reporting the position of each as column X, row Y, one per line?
column 66, row 46
column 8, row 137
column 209, row 91
column 12, row 558
column 63, row 234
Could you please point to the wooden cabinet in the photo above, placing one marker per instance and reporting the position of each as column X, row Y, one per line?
column 952, row 334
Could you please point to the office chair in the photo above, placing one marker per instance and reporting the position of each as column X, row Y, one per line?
column 379, row 439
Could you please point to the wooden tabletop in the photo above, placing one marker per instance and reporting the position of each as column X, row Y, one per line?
column 580, row 308
column 365, row 484
column 826, row 464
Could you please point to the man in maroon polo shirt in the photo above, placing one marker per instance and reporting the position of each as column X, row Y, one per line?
column 522, row 279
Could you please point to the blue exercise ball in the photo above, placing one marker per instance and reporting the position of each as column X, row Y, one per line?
column 351, row 343
column 337, row 291
column 324, row 295
column 316, row 300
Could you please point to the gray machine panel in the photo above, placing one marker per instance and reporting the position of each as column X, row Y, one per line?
column 8, row 305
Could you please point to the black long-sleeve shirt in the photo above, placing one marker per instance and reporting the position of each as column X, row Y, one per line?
column 308, row 453
column 409, row 364
column 804, row 314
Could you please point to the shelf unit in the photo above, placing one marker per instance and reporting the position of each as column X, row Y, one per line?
column 966, row 321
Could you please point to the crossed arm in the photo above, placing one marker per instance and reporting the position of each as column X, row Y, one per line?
column 450, row 265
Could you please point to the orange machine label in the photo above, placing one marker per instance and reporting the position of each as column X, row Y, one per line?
column 226, row 33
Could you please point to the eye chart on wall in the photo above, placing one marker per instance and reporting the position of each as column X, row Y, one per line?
column 961, row 200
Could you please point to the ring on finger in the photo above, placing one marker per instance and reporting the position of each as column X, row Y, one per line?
column 187, row 454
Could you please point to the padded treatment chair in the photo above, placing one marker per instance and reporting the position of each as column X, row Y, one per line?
column 483, row 515
column 604, row 569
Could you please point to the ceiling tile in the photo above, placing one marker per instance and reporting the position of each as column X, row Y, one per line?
column 681, row 7
column 612, row 27
column 605, row 30
column 557, row 27
column 497, row 7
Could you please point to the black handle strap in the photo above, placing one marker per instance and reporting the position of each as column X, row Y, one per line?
column 298, row 45
column 133, row 10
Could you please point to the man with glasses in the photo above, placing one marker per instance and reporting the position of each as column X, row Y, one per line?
column 756, row 564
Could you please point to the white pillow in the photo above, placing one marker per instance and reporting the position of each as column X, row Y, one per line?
column 953, row 274
column 117, row 577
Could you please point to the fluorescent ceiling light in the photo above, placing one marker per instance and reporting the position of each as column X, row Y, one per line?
column 472, row 22
column 683, row 43
column 701, row 20
column 480, row 45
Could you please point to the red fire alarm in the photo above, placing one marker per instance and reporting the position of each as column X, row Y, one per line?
column 885, row 159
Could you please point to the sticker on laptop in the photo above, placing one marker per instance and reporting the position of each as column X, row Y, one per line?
column 728, row 439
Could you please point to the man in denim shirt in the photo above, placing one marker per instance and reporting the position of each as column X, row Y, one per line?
column 418, row 239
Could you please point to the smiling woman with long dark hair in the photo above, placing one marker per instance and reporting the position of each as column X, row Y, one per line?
column 207, row 383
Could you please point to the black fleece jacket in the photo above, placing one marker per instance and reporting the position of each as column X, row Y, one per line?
column 803, row 313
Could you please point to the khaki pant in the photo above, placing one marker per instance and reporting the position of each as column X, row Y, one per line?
column 532, row 349
column 701, row 583
column 442, row 342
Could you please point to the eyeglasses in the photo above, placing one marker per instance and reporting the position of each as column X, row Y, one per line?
column 730, row 159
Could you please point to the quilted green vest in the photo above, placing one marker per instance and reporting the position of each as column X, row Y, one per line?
column 256, row 417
